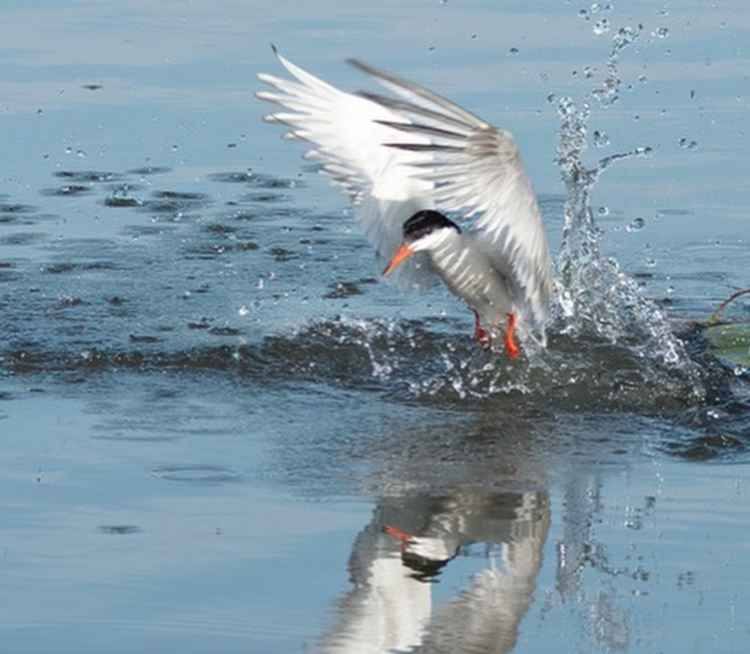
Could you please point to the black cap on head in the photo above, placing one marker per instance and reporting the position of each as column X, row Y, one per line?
column 425, row 222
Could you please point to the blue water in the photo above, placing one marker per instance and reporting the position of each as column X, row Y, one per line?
column 211, row 409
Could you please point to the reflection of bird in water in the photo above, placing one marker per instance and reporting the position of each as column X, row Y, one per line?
column 410, row 539
column 402, row 158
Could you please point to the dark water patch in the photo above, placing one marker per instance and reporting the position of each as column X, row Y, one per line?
column 7, row 209
column 119, row 530
column 219, row 228
column 720, row 447
column 264, row 198
column 175, row 202
column 91, row 87
column 341, row 290
column 224, row 331
column 180, row 196
column 143, row 338
column 120, row 202
column 197, row 474
column 67, row 301
column 87, row 176
column 23, row 238
column 70, row 266
column 212, row 250
column 282, row 254
column 255, row 180
column 69, row 190
column 145, row 171
column 274, row 213
column 203, row 288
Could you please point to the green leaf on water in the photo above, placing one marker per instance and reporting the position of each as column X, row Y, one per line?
column 730, row 342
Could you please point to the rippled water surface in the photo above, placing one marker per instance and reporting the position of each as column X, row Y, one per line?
column 223, row 432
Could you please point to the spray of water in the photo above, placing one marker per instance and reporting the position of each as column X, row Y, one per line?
column 595, row 296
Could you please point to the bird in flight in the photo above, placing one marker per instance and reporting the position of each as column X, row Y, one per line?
column 410, row 159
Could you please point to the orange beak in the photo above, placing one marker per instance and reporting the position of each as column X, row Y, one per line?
column 404, row 252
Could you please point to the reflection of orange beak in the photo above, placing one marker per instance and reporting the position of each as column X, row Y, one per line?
column 404, row 252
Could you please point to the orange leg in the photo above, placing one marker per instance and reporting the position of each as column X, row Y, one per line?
column 482, row 335
column 511, row 344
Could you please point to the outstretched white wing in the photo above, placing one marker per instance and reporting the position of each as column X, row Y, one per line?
column 348, row 134
column 477, row 170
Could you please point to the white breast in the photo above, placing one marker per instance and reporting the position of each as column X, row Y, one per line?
column 470, row 274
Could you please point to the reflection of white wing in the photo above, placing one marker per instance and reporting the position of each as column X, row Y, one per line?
column 478, row 170
column 388, row 608
column 486, row 616
column 348, row 142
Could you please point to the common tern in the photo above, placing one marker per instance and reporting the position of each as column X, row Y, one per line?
column 408, row 159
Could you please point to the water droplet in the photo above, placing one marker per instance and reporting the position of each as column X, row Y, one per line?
column 601, row 139
column 80, row 153
column 635, row 225
column 595, row 8
column 601, row 27
column 583, row 13
column 175, row 148
column 603, row 210
column 551, row 98
column 688, row 144
column 588, row 72
column 650, row 263
column 670, row 289
column 661, row 33
column 642, row 78
column 68, row 150
column 513, row 51
column 473, row 36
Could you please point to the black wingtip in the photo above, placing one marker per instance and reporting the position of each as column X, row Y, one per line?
column 274, row 49
column 360, row 65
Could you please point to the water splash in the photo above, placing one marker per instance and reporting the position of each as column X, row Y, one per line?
column 430, row 362
column 596, row 298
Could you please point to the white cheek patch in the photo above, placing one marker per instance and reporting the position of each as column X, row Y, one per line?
column 434, row 240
